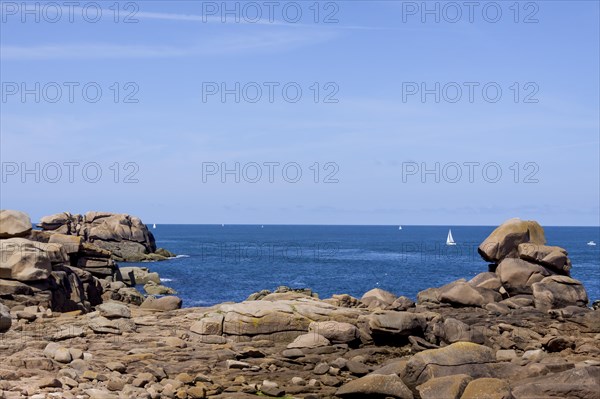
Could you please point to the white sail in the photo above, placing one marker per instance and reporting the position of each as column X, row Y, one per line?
column 154, row 226
column 399, row 227
column 450, row 239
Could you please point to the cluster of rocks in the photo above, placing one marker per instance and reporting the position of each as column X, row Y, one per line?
column 524, row 272
column 68, row 266
column 125, row 237
column 37, row 270
column 134, row 275
column 289, row 343
column 280, row 290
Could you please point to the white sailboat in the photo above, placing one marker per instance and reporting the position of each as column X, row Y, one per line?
column 450, row 239
column 591, row 244
column 154, row 226
column 399, row 227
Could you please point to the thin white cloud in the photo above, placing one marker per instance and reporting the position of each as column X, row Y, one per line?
column 262, row 21
column 90, row 50
column 222, row 45
column 206, row 19
column 215, row 20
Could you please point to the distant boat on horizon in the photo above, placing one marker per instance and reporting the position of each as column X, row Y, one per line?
column 450, row 239
column 399, row 227
column 154, row 226
column 591, row 244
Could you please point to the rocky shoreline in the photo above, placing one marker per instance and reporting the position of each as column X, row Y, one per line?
column 72, row 325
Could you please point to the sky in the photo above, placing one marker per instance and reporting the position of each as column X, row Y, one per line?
column 331, row 112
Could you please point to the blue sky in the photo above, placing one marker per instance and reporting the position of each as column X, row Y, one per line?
column 371, row 136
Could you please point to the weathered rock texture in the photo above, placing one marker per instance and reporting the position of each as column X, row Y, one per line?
column 504, row 241
column 62, row 271
column 484, row 338
column 125, row 236
column 14, row 224
column 40, row 273
column 527, row 273
column 301, row 347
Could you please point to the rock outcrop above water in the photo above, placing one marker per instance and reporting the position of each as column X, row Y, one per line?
column 40, row 273
column 125, row 236
column 59, row 270
column 503, row 334
column 504, row 241
column 526, row 273
column 14, row 224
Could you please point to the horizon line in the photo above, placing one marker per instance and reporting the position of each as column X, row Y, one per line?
column 346, row 225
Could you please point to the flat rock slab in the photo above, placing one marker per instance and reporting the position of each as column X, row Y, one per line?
column 269, row 317
column 114, row 310
column 449, row 387
column 376, row 386
column 310, row 340
column 458, row 358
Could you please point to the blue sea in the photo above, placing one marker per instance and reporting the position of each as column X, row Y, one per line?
column 227, row 263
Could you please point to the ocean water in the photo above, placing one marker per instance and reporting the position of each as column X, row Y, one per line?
column 227, row 263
